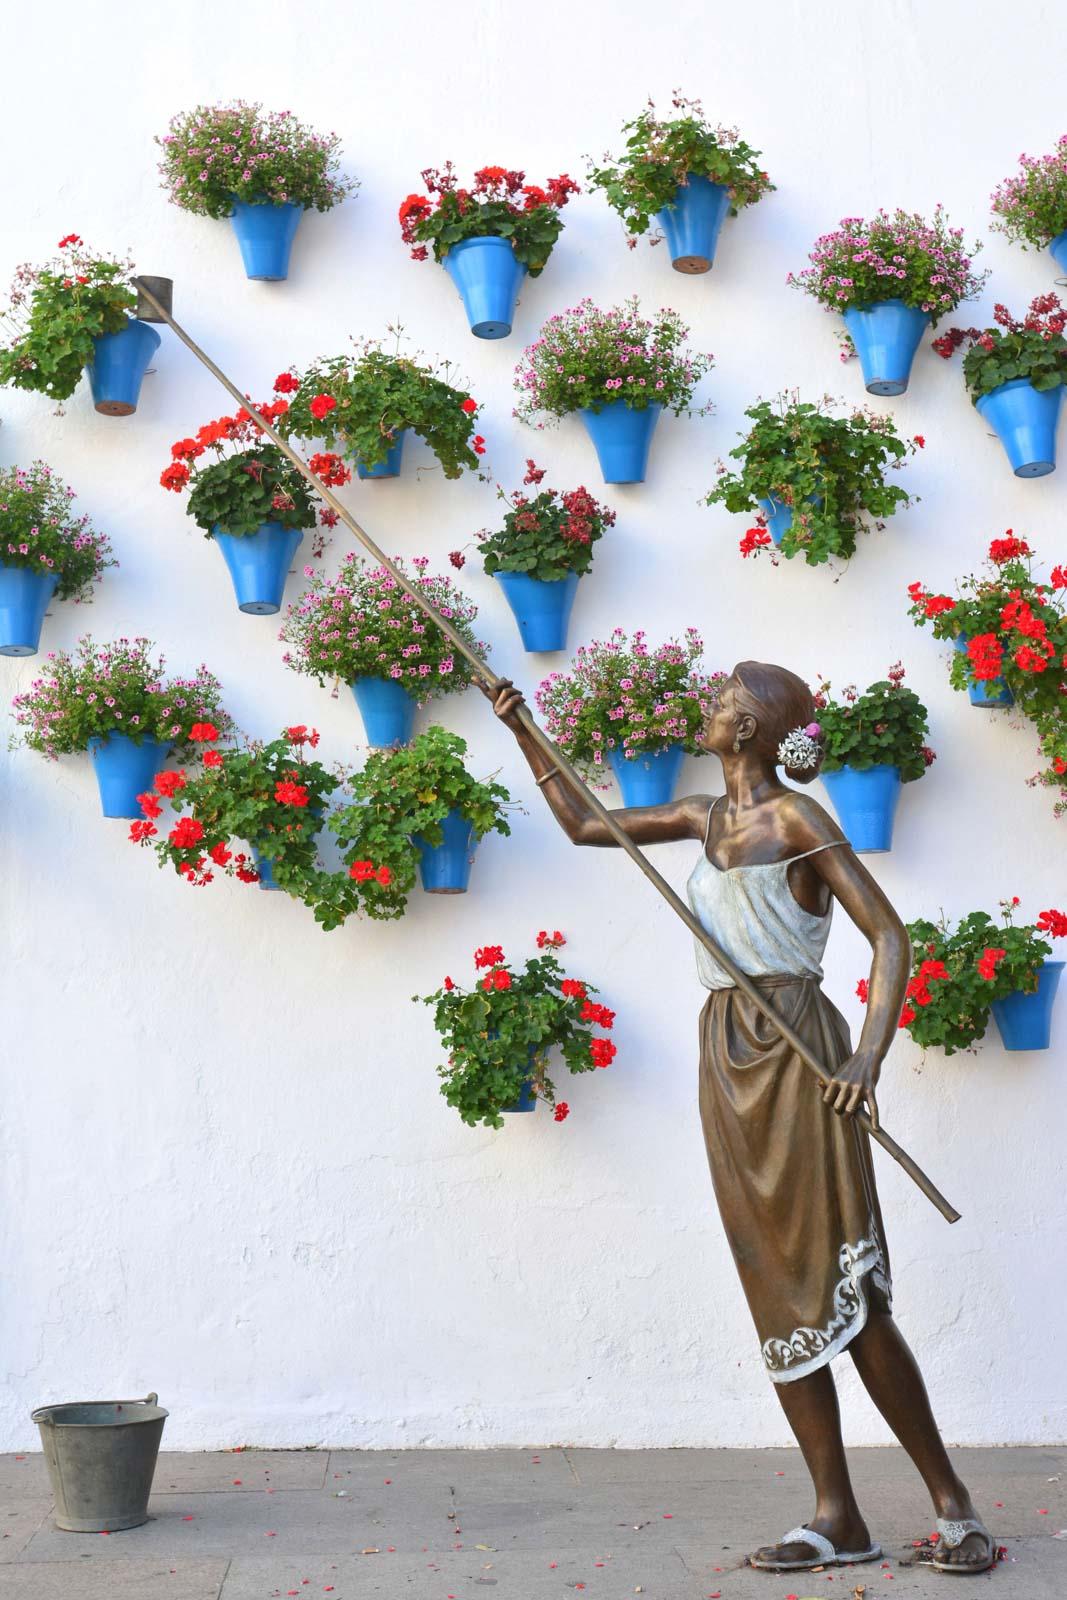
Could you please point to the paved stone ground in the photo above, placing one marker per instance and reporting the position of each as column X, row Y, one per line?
column 531, row 1524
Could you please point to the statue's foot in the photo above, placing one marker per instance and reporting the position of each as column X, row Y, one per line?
column 965, row 1545
column 824, row 1544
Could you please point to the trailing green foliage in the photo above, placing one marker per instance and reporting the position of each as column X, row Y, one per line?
column 55, row 312
column 360, row 404
column 498, row 1034
column 401, row 795
column 885, row 726
column 547, row 536
column 830, row 469
column 661, row 154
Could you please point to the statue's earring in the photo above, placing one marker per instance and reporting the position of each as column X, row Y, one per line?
column 737, row 744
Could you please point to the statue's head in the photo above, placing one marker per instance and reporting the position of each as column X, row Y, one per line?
column 757, row 708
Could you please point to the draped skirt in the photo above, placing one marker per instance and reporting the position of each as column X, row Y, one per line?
column 793, row 1180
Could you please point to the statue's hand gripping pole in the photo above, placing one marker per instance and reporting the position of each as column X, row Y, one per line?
column 146, row 290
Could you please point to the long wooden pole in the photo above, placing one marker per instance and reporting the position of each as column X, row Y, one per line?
column 566, row 771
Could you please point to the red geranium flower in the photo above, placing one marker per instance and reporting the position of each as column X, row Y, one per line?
column 69, row 238
column 863, row 989
column 489, row 955
column 602, row 1051
column 755, row 539
column 469, row 406
column 573, row 989
column 186, row 833
column 203, row 733
column 1008, row 549
column 213, row 758
column 322, row 405
column 562, row 1111
column 285, row 383
column 149, row 805
column 288, row 793
column 1054, row 922
column 140, row 831
column 175, row 477
column 168, row 783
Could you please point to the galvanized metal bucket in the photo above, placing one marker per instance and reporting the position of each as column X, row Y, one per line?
column 101, row 1457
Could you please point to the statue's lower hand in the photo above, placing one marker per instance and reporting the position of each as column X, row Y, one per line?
column 854, row 1081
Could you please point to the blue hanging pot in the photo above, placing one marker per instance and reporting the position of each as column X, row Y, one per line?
column 24, row 598
column 779, row 516
column 124, row 770
column 259, row 564
column 622, row 438
column 865, row 799
column 647, row 779
column 1058, row 246
column 527, row 1100
column 692, row 223
column 265, row 868
column 265, row 233
column 387, row 709
column 1024, row 1021
column 120, row 361
column 541, row 606
column 989, row 691
column 886, row 336
column 1024, row 420
column 445, row 868
column 488, row 278
column 390, row 467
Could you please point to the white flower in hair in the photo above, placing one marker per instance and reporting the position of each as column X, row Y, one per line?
column 800, row 749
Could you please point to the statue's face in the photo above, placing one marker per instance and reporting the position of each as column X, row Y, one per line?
column 720, row 724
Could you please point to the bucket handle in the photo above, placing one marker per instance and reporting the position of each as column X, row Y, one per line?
column 41, row 1413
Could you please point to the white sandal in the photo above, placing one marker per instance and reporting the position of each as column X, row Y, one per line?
column 825, row 1554
column 952, row 1535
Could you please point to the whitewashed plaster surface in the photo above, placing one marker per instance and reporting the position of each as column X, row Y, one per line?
column 227, row 1171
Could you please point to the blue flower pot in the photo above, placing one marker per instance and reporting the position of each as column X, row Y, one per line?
column 120, row 361
column 780, row 516
column 622, row 437
column 692, row 224
column 527, row 1100
column 865, row 800
column 1024, row 420
column 259, row 564
column 387, row 709
column 542, row 607
column 1025, row 1020
column 24, row 598
column 265, row 234
column 445, row 868
column 265, row 868
column 991, row 691
column 390, row 467
column 886, row 337
column 649, row 779
column 1058, row 246
column 488, row 278
column 124, row 770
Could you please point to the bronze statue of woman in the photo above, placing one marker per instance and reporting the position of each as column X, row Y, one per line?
column 790, row 1165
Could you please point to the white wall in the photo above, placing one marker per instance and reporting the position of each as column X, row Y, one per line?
column 227, row 1171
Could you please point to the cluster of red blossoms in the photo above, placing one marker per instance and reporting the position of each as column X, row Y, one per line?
column 492, row 185
column 1046, row 316
column 364, row 871
column 1032, row 650
column 550, row 941
column 753, row 540
column 239, row 430
column 187, row 833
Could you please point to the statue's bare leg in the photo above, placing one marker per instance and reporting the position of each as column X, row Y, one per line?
column 891, row 1376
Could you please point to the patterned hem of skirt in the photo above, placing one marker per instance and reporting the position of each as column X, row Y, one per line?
column 808, row 1349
